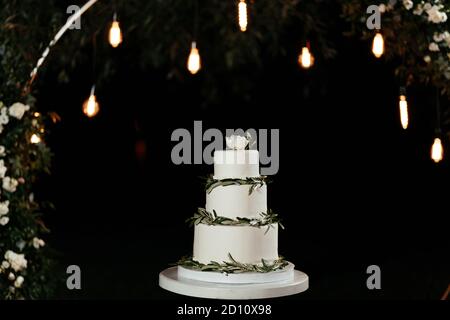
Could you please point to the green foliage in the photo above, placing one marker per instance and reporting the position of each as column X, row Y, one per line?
column 22, row 34
column 408, row 34
column 233, row 266
column 253, row 182
column 205, row 217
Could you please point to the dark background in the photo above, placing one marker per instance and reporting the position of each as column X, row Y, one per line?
column 353, row 188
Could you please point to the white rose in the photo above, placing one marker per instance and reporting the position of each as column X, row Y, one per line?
column 435, row 16
column 4, row 208
column 17, row 110
column 433, row 47
column 4, row 119
column 37, row 243
column 4, row 221
column 19, row 281
column 11, row 276
column 427, row 59
column 10, row 184
column 2, row 169
column 5, row 264
column 17, row 261
column 2, row 151
column 236, row 142
column 408, row 4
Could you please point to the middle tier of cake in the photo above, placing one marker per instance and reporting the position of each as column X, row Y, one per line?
column 246, row 244
column 235, row 201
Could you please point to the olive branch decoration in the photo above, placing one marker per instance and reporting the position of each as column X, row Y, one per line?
column 211, row 218
column 254, row 182
column 233, row 266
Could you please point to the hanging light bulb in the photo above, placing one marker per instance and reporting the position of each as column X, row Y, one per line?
column 378, row 45
column 403, row 105
column 306, row 59
column 437, row 151
column 91, row 106
column 35, row 138
column 242, row 15
column 194, row 63
column 115, row 34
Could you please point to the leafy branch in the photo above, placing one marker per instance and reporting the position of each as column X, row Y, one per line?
column 233, row 266
column 254, row 182
column 206, row 217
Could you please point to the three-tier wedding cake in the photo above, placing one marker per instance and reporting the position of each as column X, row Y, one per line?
column 235, row 252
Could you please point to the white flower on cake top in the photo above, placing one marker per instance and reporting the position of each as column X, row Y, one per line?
column 236, row 142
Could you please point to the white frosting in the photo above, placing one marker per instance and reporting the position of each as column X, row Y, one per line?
column 245, row 243
column 234, row 201
column 236, row 164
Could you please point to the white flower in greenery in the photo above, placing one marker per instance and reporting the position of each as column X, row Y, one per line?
column 37, row 243
column 4, row 119
column 4, row 208
column 10, row 184
column 408, row 4
column 17, row 110
column 434, row 15
column 2, row 151
column 236, row 142
column 433, row 47
column 11, row 276
column 382, row 8
column 427, row 59
column 4, row 221
column 19, row 281
column 2, row 169
column 17, row 261
column 5, row 264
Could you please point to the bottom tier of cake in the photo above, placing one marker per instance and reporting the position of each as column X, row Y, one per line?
column 246, row 244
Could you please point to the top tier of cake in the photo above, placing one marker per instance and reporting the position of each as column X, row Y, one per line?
column 236, row 164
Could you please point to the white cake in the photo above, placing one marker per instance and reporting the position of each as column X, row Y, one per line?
column 246, row 244
column 235, row 254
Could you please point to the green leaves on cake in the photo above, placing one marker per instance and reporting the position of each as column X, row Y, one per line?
column 233, row 266
column 206, row 217
column 253, row 182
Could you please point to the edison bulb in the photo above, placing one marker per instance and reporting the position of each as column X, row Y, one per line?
column 35, row 138
column 115, row 34
column 378, row 45
column 242, row 15
column 403, row 105
column 91, row 106
column 194, row 63
column 437, row 151
column 305, row 59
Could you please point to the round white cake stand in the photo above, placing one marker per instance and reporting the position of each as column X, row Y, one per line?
column 169, row 280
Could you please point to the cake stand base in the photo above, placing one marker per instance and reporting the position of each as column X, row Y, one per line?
column 169, row 280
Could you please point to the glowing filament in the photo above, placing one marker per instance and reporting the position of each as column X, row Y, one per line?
column 306, row 59
column 194, row 63
column 437, row 152
column 403, row 104
column 115, row 34
column 242, row 15
column 378, row 45
column 91, row 106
